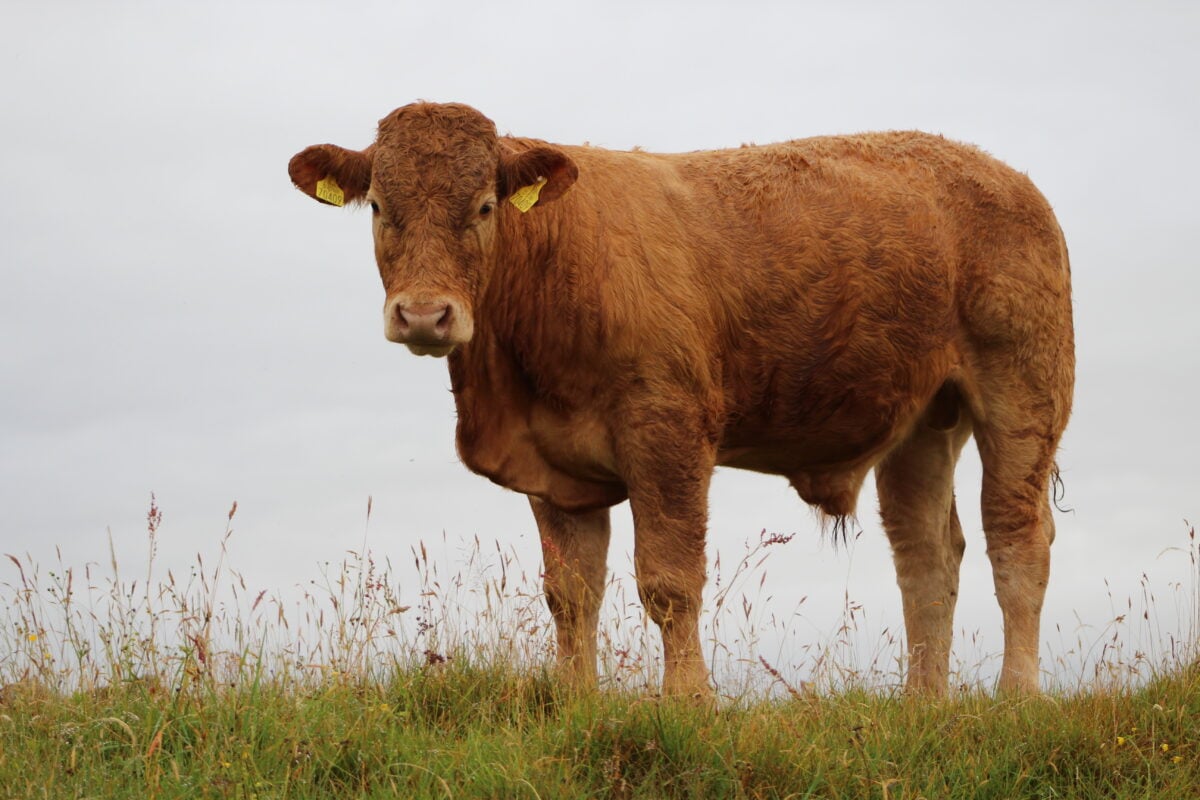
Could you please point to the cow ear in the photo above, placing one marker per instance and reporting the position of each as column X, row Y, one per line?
column 537, row 175
column 332, row 174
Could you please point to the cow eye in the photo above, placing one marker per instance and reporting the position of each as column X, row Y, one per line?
column 374, row 207
column 485, row 209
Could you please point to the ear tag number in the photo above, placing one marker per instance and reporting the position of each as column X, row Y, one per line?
column 526, row 196
column 330, row 192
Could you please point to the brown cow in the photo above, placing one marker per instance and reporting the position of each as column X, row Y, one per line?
column 812, row 309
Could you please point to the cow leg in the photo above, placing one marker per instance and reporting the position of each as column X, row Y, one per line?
column 574, row 549
column 1016, row 521
column 916, row 501
column 668, row 494
column 671, row 572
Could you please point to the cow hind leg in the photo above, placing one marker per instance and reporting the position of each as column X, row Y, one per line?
column 915, row 483
column 574, row 549
column 1017, row 465
column 1021, row 374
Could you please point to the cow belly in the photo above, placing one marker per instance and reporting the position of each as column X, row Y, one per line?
column 576, row 443
column 826, row 471
column 838, row 442
column 831, row 487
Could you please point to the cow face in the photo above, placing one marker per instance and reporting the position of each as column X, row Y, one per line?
column 435, row 179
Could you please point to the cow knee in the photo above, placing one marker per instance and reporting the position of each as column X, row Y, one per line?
column 667, row 597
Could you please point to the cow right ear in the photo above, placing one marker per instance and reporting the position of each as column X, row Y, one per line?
column 332, row 174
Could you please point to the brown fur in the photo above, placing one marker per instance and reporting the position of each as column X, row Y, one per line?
column 812, row 309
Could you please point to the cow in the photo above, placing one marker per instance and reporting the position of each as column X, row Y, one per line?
column 618, row 324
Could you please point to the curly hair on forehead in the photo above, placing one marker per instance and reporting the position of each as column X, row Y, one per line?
column 428, row 127
column 435, row 150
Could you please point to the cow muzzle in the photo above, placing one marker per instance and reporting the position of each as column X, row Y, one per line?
column 427, row 327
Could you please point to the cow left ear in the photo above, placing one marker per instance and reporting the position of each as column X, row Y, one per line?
column 537, row 175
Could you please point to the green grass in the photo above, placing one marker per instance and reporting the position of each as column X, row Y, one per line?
column 456, row 730
column 158, row 688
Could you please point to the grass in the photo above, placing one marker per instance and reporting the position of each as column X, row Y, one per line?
column 160, row 688
column 463, row 730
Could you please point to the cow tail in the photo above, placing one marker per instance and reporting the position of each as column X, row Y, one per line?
column 1058, row 490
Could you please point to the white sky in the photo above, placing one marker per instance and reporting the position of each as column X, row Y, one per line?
column 177, row 318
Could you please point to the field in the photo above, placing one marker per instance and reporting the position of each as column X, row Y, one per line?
column 155, row 687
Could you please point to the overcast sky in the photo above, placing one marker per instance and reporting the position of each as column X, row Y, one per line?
column 176, row 318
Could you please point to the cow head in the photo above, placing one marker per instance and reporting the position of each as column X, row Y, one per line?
column 435, row 179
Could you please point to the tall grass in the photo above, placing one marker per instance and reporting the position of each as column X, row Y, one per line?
column 142, row 683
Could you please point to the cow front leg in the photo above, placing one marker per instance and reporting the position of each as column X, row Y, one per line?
column 574, row 550
column 668, row 494
column 670, row 578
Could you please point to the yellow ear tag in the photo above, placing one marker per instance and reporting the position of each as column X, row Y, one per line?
column 330, row 192
column 526, row 196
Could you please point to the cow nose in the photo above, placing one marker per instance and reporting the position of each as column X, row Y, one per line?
column 424, row 321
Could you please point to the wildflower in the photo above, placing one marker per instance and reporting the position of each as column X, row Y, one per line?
column 32, row 637
column 1120, row 741
column 1164, row 747
column 1176, row 759
column 226, row 765
column 384, row 707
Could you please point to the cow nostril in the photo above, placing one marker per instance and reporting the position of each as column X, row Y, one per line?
column 401, row 318
column 443, row 322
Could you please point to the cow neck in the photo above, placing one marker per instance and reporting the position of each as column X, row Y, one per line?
column 530, row 304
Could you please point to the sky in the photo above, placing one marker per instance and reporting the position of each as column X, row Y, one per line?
column 177, row 319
